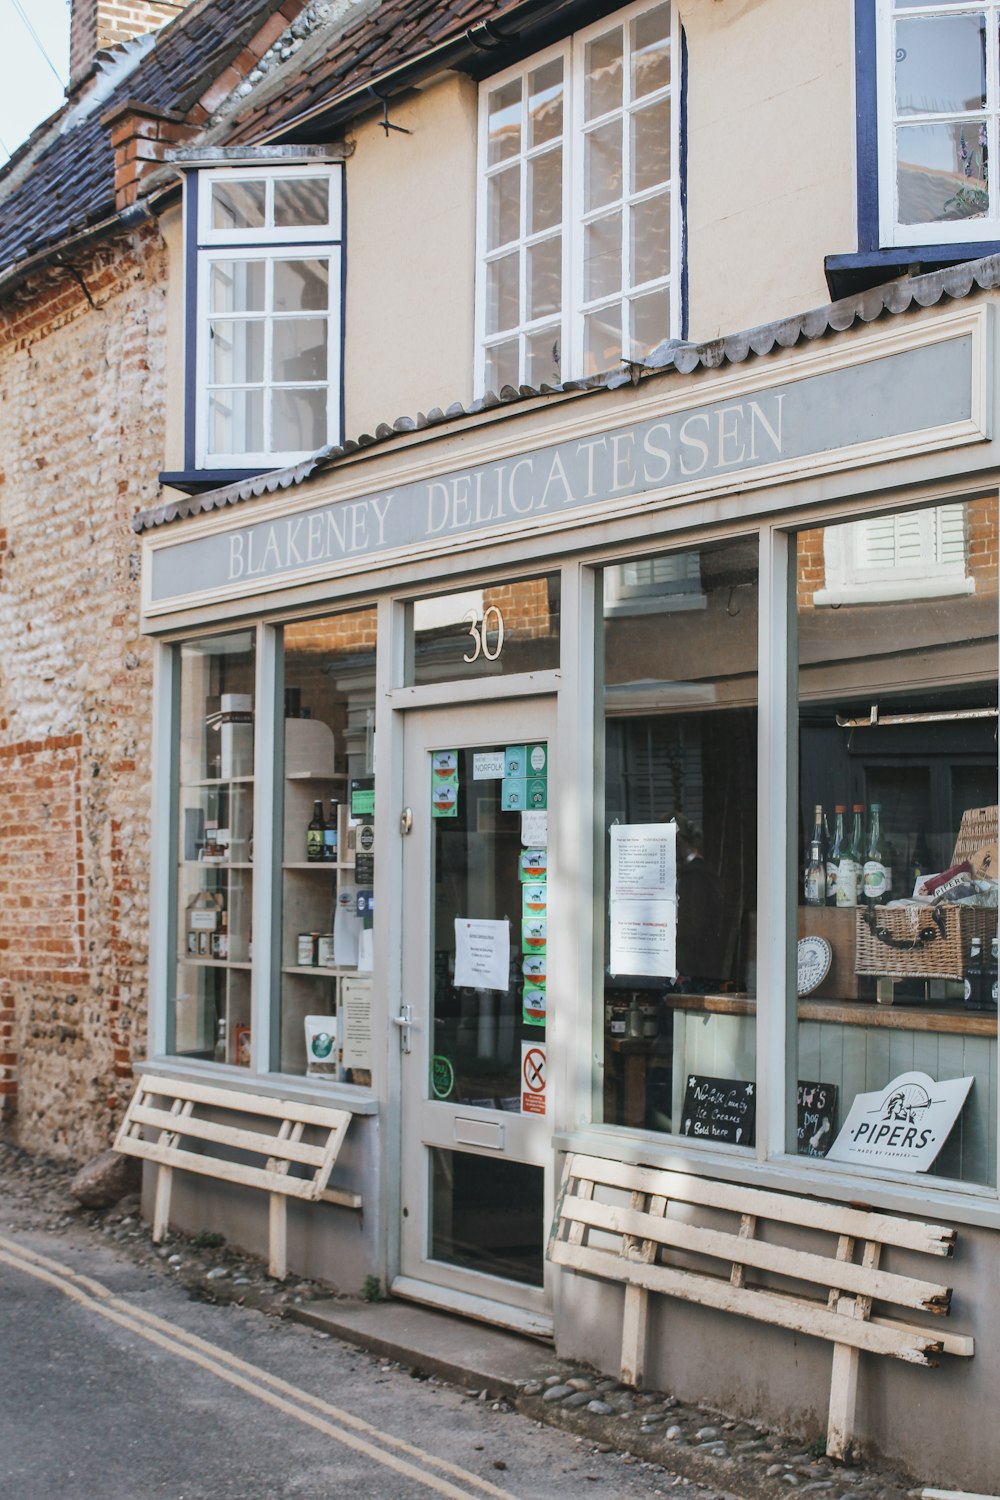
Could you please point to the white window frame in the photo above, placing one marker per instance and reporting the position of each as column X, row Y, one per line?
column 961, row 231
column 573, row 312
column 662, row 583
column 269, row 244
column 849, row 578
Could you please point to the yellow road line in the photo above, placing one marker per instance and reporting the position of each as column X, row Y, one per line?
column 271, row 1389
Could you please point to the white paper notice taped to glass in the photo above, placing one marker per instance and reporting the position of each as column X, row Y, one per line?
column 482, row 954
column 535, row 830
column 643, row 899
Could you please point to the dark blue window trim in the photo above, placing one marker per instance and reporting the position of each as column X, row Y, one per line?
column 192, row 184
column 682, row 247
column 866, row 93
column 872, row 264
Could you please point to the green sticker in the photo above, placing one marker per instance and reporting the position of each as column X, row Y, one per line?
column 513, row 794
column 533, row 1005
column 533, row 935
column 444, row 796
column 363, row 798
column 442, row 1077
column 534, row 898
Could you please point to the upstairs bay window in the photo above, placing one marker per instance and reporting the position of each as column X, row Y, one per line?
column 579, row 210
column 268, row 316
column 939, row 118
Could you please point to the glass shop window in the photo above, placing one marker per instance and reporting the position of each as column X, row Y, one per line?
column 327, row 842
column 208, row 1013
column 679, row 691
column 492, row 631
column 896, row 864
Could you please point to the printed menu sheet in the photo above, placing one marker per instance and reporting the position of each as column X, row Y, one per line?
column 643, row 899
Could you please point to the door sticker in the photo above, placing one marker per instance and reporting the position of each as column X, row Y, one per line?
column 516, row 761
column 535, row 830
column 442, row 1077
column 533, row 1071
column 444, row 784
column 533, row 1005
column 487, row 765
column 534, row 864
column 514, row 794
column 533, row 935
column 534, row 898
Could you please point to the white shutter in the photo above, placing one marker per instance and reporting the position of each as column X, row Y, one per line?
column 914, row 553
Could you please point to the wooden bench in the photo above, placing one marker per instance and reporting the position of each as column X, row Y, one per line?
column 722, row 1248
column 196, row 1128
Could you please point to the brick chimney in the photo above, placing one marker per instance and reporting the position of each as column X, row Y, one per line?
column 105, row 23
column 140, row 135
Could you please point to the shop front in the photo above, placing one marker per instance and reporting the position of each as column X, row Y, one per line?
column 613, row 771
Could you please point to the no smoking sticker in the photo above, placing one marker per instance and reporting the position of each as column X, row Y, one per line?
column 533, row 1074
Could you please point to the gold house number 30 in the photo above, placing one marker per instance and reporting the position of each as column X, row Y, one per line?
column 480, row 631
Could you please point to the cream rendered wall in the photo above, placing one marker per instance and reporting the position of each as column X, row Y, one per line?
column 171, row 226
column 411, row 252
column 771, row 156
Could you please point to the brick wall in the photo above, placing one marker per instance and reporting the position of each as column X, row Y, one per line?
column 81, row 440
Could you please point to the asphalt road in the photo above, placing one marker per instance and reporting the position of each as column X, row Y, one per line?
column 116, row 1385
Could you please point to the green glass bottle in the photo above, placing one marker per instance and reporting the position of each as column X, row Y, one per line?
column 876, row 875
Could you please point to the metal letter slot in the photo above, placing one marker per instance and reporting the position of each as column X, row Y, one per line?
column 404, row 1021
column 488, row 1133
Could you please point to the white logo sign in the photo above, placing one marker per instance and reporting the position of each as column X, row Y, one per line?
column 903, row 1125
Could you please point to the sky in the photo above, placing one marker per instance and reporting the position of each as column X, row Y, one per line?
column 29, row 89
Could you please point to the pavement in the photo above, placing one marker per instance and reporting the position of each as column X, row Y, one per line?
column 726, row 1458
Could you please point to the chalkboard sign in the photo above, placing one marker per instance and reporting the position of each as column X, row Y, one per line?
column 719, row 1109
column 817, row 1117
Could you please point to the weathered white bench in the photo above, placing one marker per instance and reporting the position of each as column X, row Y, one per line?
column 721, row 1248
column 196, row 1127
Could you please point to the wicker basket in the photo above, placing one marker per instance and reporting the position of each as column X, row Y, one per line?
column 920, row 942
column 978, row 831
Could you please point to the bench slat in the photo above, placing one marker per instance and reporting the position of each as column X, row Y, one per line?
column 914, row 1345
column 236, row 1136
column 803, row 1265
column 809, row 1213
column 270, row 1180
column 235, row 1100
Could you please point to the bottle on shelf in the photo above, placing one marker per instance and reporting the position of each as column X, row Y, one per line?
column 330, row 834
column 876, row 875
column 833, row 856
column 815, row 881
column 220, row 938
column 815, row 884
column 850, row 866
column 315, row 832
column 974, row 976
column 920, row 864
column 221, row 1041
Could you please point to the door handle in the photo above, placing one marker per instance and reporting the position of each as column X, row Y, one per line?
column 404, row 1021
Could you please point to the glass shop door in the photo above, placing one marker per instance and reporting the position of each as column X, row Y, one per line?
column 476, row 1101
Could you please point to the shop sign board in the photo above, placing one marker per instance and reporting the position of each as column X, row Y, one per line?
column 903, row 1125
column 903, row 394
column 719, row 1109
